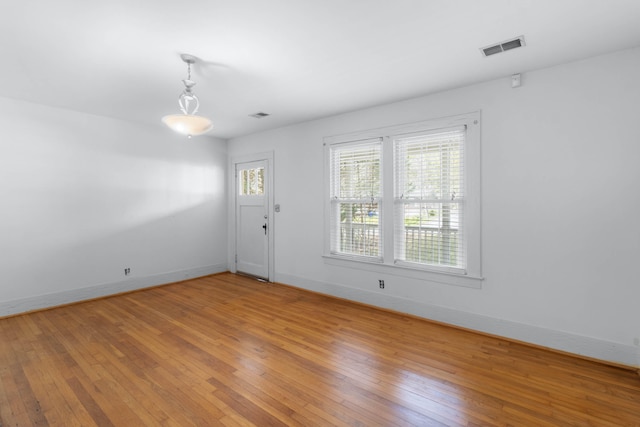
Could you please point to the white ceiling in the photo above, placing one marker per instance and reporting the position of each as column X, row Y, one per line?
column 295, row 59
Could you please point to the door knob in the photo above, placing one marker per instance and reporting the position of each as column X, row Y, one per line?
column 265, row 229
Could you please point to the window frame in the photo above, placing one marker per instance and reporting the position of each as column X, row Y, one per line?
column 400, row 202
column 336, row 201
column 471, row 276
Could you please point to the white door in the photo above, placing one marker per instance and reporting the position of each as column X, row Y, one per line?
column 252, row 219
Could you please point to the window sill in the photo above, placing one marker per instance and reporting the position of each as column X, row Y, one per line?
column 446, row 278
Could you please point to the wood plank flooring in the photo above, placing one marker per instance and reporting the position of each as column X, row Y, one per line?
column 228, row 350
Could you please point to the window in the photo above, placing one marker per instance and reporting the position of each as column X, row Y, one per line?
column 429, row 198
column 407, row 197
column 355, row 198
column 251, row 182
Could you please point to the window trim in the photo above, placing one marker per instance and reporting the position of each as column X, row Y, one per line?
column 393, row 140
column 335, row 202
column 472, row 276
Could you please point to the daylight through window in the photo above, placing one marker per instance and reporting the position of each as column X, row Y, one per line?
column 407, row 197
column 429, row 198
column 355, row 198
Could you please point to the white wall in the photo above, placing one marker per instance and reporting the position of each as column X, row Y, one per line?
column 84, row 197
column 561, row 240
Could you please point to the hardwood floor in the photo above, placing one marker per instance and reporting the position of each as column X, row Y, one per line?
column 228, row 350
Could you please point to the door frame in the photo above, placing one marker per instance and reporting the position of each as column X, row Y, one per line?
column 232, row 214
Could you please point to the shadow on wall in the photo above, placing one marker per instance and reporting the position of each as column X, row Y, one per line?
column 89, row 196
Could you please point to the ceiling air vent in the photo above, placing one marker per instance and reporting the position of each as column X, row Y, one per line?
column 503, row 46
column 258, row 115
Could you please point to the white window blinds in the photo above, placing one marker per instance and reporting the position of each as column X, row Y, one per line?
column 429, row 199
column 355, row 198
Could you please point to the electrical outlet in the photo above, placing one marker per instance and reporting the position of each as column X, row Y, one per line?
column 127, row 271
column 381, row 282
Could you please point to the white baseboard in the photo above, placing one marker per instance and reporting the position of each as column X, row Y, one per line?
column 563, row 341
column 23, row 305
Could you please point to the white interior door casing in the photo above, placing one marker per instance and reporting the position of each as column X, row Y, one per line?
column 252, row 218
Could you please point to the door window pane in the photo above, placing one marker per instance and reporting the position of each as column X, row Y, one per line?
column 251, row 182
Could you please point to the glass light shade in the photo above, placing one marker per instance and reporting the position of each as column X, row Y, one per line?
column 188, row 124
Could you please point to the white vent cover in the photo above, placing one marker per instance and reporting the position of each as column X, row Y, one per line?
column 502, row 46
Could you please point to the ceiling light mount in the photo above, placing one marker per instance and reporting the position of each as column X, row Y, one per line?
column 188, row 123
column 189, row 59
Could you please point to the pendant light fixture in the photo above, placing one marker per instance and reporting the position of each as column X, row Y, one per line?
column 188, row 123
